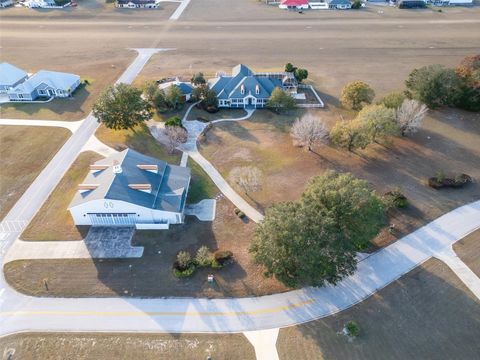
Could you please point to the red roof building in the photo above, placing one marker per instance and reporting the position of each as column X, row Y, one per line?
column 294, row 4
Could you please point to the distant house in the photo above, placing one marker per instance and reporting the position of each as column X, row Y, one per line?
column 136, row 4
column 10, row 76
column 319, row 5
column 247, row 89
column 131, row 189
column 293, row 4
column 185, row 87
column 340, row 4
column 6, row 3
column 411, row 4
column 45, row 84
column 40, row 3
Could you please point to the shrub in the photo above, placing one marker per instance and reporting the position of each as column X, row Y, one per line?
column 393, row 100
column 173, row 121
column 440, row 181
column 356, row 4
column 395, row 198
column 352, row 329
column 183, row 265
column 86, row 82
column 356, row 95
column 223, row 257
column 183, row 260
column 202, row 258
column 237, row 211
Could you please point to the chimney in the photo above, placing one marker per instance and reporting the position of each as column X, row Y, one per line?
column 117, row 168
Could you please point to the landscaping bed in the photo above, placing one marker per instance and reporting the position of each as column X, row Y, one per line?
column 202, row 115
column 152, row 275
column 24, row 152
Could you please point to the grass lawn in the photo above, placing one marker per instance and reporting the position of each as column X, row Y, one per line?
column 198, row 114
column 53, row 221
column 448, row 142
column 151, row 275
column 24, row 152
column 468, row 249
column 201, row 186
column 426, row 314
column 138, row 139
column 104, row 346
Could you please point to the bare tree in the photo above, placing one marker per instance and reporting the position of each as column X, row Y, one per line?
column 410, row 116
column 308, row 131
column 175, row 135
column 248, row 178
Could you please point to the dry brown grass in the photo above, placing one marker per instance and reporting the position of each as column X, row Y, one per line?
column 426, row 314
column 151, row 275
column 24, row 152
column 468, row 249
column 448, row 142
column 104, row 346
column 53, row 221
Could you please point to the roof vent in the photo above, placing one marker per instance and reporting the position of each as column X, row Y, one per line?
column 141, row 187
column 97, row 167
column 151, row 168
column 117, row 168
column 82, row 188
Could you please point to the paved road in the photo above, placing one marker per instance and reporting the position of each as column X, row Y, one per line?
column 21, row 313
column 70, row 125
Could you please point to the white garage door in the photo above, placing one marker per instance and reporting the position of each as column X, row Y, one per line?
column 112, row 219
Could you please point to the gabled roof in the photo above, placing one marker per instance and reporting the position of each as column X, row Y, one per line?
column 227, row 87
column 185, row 88
column 294, row 2
column 45, row 79
column 10, row 75
column 340, row 2
column 168, row 185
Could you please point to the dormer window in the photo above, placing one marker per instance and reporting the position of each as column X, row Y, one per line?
column 257, row 89
column 242, row 89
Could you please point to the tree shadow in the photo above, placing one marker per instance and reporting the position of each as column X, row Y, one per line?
column 428, row 313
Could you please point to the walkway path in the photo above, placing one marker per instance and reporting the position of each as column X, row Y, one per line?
column 264, row 342
column 468, row 277
column 180, row 9
column 195, row 128
column 177, row 315
column 70, row 125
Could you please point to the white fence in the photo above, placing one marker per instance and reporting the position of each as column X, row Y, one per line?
column 320, row 103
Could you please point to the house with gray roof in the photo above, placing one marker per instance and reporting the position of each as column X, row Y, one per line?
column 185, row 87
column 46, row 84
column 244, row 88
column 131, row 189
column 10, row 76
